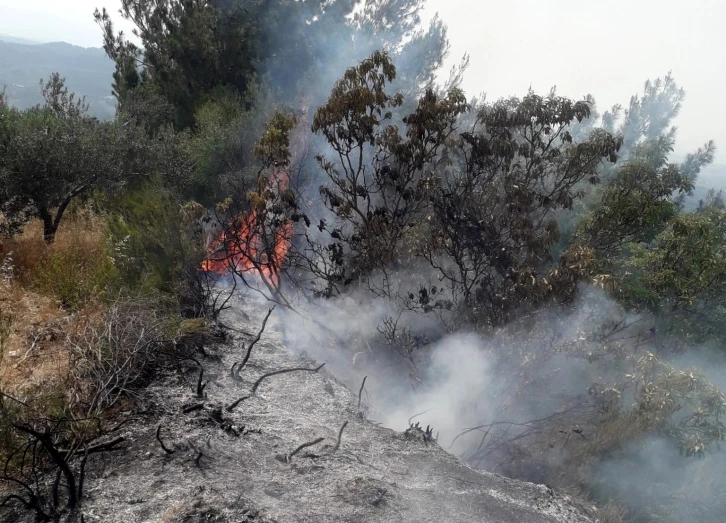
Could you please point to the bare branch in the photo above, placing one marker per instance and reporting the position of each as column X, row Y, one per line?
column 295, row 369
column 340, row 435
column 252, row 344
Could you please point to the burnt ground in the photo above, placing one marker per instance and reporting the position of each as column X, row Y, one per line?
column 234, row 466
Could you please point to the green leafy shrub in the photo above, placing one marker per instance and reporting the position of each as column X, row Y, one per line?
column 157, row 245
column 74, row 278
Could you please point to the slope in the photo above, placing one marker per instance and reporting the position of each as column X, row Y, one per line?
column 236, row 466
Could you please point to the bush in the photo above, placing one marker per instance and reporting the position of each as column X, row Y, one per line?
column 113, row 353
column 157, row 246
column 148, row 239
column 221, row 149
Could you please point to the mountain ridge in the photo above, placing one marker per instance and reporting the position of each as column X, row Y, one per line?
column 87, row 70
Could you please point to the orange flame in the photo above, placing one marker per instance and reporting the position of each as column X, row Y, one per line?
column 243, row 252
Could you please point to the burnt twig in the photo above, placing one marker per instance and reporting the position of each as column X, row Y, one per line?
column 234, row 405
column 257, row 383
column 164, row 447
column 300, row 447
column 360, row 392
column 98, row 447
column 200, row 385
column 340, row 435
column 192, row 408
column 82, row 472
column 235, row 373
column 416, row 416
column 377, row 501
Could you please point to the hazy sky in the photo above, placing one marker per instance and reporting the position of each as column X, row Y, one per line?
column 604, row 47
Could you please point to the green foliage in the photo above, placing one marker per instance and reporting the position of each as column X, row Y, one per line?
column 152, row 243
column 74, row 277
column 51, row 154
column 636, row 205
column 682, row 276
column 189, row 48
column 221, row 149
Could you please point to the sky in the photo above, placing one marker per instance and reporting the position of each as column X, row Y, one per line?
column 605, row 48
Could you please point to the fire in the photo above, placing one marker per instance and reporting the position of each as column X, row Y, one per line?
column 242, row 251
column 239, row 247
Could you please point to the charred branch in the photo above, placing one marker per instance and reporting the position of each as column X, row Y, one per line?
column 99, row 447
column 254, row 342
column 288, row 458
column 192, row 408
column 410, row 420
column 340, row 435
column 200, row 385
column 161, row 442
column 283, row 371
column 234, row 405
column 360, row 392
column 82, row 473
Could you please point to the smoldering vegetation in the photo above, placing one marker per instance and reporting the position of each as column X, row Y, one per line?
column 552, row 401
column 581, row 377
column 521, row 276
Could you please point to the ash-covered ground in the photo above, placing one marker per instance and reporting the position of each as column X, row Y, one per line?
column 235, row 466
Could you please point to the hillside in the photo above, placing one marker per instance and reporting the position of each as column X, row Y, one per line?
column 15, row 39
column 233, row 467
column 87, row 72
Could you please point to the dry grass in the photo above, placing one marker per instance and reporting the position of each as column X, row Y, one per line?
column 84, row 233
column 74, row 269
column 33, row 354
column 50, row 293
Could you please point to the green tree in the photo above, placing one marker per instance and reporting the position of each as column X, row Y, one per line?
column 379, row 181
column 637, row 203
column 189, row 48
column 51, row 154
column 681, row 277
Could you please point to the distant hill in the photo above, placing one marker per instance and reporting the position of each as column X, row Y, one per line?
column 712, row 177
column 15, row 39
column 88, row 71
